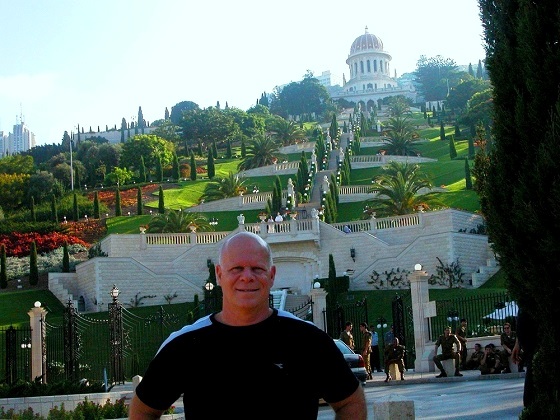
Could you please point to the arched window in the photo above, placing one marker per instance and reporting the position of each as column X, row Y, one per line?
column 355, row 69
column 375, row 66
column 381, row 66
column 362, row 67
column 368, row 66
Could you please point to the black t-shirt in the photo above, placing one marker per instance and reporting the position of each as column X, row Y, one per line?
column 276, row 369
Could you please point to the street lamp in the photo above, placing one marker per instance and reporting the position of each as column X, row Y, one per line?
column 382, row 324
column 115, row 293
column 452, row 318
column 209, row 286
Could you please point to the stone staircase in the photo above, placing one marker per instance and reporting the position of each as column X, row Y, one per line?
column 62, row 294
column 485, row 272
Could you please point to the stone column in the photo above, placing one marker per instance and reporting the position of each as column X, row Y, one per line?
column 37, row 315
column 319, row 297
column 422, row 309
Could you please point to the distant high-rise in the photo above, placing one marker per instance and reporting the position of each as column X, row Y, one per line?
column 3, row 144
column 21, row 140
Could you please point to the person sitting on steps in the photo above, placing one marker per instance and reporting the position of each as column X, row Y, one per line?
column 394, row 354
column 446, row 341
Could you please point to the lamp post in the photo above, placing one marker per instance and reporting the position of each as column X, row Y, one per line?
column 452, row 318
column 116, row 337
column 26, row 347
column 381, row 325
column 213, row 221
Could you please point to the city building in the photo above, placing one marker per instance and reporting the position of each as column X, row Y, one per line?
column 21, row 140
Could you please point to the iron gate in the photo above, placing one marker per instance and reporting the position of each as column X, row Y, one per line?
column 335, row 318
column 403, row 325
column 15, row 349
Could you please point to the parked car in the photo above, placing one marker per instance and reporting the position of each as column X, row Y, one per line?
column 355, row 361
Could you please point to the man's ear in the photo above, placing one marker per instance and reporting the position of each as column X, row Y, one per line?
column 218, row 271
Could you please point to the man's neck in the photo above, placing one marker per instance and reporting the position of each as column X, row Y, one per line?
column 242, row 318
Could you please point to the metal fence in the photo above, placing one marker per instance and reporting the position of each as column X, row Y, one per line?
column 485, row 315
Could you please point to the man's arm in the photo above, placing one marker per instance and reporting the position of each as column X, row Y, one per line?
column 140, row 411
column 351, row 408
column 515, row 352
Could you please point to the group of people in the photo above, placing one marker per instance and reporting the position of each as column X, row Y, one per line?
column 489, row 361
column 394, row 352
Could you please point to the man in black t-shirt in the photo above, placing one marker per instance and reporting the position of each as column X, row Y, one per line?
column 268, row 374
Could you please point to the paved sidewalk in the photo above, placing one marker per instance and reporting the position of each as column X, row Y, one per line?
column 412, row 377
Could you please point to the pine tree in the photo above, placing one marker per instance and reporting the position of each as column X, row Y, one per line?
column 65, row 258
column 468, row 179
column 96, row 210
column 161, row 204
column 139, row 204
column 452, row 148
column 54, row 210
column 118, row 208
column 32, row 209
column 193, row 167
column 3, row 270
column 142, row 170
column 33, row 268
column 210, row 164
column 75, row 209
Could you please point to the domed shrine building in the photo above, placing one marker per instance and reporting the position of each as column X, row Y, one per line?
column 370, row 74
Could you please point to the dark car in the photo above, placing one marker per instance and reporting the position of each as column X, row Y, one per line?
column 355, row 361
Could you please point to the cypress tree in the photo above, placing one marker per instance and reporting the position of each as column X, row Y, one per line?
column 199, row 148
column 139, row 205
column 142, row 170
column 161, row 204
column 65, row 258
column 331, row 288
column 32, row 209
column 118, row 208
column 452, row 148
column 96, row 212
column 141, row 121
column 471, row 148
column 175, row 171
column 210, row 164
column 54, row 210
column 159, row 170
column 441, row 131
column 214, row 150
column 33, row 268
column 193, row 167
column 75, row 209
column 228, row 149
column 3, row 271
column 468, row 179
column 243, row 149
column 522, row 194
column 457, row 131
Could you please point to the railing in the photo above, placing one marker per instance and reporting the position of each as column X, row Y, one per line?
column 366, row 158
column 398, row 221
column 356, row 189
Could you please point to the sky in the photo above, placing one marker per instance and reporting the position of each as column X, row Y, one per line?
column 65, row 63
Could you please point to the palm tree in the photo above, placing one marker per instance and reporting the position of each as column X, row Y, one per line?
column 261, row 151
column 287, row 132
column 178, row 221
column 398, row 190
column 400, row 137
column 231, row 186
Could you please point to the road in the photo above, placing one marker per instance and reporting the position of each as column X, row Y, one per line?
column 497, row 399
